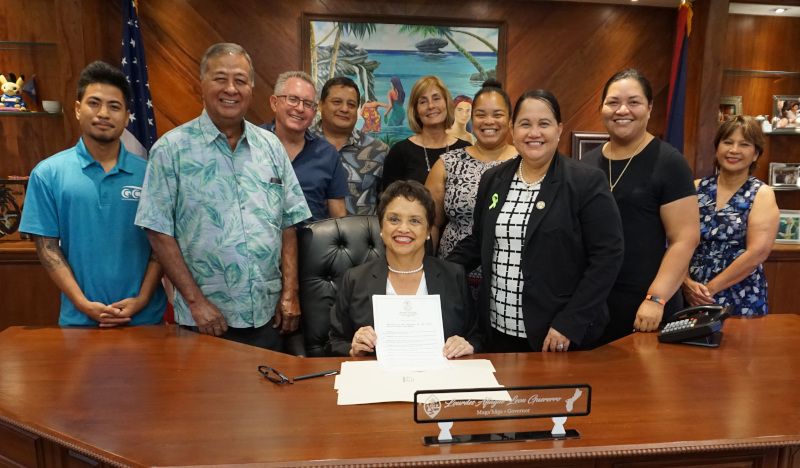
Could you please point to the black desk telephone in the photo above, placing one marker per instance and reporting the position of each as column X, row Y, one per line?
column 700, row 325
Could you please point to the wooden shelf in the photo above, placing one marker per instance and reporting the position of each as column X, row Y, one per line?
column 5, row 45
column 30, row 113
column 761, row 73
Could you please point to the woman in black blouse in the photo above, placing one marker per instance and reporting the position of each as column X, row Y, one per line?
column 430, row 114
column 548, row 237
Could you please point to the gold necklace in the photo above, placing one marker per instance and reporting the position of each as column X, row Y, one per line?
column 614, row 184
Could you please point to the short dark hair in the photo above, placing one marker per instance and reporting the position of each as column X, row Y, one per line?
column 101, row 72
column 339, row 81
column 411, row 190
column 540, row 95
column 633, row 74
column 751, row 131
column 492, row 86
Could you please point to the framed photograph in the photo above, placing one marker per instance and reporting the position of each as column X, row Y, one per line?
column 729, row 106
column 784, row 176
column 385, row 56
column 12, row 196
column 789, row 227
column 583, row 142
column 786, row 113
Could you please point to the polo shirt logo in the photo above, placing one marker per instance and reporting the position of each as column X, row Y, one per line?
column 131, row 192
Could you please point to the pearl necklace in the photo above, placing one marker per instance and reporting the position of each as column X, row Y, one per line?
column 405, row 272
column 529, row 184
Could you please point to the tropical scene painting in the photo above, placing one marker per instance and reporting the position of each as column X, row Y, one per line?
column 385, row 60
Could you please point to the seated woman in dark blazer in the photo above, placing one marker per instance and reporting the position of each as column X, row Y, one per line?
column 406, row 212
column 548, row 237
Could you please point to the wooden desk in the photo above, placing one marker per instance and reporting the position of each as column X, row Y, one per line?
column 161, row 396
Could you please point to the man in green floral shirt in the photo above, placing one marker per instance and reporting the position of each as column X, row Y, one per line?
column 219, row 203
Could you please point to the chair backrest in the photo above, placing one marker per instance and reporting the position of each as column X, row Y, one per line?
column 326, row 249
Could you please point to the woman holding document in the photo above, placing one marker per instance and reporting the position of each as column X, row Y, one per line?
column 548, row 237
column 406, row 212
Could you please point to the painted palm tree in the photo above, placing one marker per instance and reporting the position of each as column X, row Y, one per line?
column 359, row 30
column 439, row 31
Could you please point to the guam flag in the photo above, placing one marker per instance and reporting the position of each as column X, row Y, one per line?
column 677, row 80
column 141, row 131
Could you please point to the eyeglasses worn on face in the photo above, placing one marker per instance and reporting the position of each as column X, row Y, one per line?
column 294, row 101
column 273, row 375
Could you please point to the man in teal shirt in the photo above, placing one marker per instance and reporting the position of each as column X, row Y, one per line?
column 80, row 207
column 219, row 204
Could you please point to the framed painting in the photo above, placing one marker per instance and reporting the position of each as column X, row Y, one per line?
column 385, row 56
column 729, row 107
column 12, row 196
column 583, row 142
column 789, row 227
column 786, row 113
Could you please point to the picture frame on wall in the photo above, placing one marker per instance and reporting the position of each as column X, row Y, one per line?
column 789, row 227
column 386, row 55
column 12, row 196
column 583, row 142
column 729, row 107
column 786, row 113
column 784, row 176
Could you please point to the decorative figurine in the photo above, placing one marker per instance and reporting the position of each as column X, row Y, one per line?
column 11, row 99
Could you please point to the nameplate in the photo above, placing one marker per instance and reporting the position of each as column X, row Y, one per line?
column 478, row 404
column 556, row 402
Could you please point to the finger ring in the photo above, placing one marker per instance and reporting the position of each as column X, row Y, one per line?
column 560, row 346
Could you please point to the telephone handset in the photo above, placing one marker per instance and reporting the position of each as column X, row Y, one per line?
column 699, row 325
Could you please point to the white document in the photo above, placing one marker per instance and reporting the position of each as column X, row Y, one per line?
column 362, row 382
column 410, row 332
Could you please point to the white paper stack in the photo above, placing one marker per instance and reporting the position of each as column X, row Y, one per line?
column 362, row 382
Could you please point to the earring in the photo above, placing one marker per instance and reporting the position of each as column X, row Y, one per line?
column 429, row 238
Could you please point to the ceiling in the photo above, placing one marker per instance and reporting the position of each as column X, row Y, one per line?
column 735, row 8
column 764, row 10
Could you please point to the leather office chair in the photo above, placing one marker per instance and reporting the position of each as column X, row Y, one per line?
column 326, row 249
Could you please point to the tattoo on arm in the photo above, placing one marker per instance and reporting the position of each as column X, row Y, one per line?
column 50, row 253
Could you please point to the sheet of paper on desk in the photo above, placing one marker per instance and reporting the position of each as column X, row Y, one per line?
column 361, row 382
column 410, row 332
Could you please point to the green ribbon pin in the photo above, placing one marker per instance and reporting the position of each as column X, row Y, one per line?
column 494, row 201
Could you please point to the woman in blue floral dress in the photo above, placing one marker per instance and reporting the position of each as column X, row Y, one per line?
column 738, row 224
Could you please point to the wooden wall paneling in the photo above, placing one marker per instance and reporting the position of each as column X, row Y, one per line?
column 568, row 48
column 69, row 29
column 704, row 83
column 782, row 269
column 29, row 296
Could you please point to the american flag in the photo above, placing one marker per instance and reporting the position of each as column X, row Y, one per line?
column 141, row 131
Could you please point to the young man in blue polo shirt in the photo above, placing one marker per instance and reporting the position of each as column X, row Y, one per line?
column 80, row 206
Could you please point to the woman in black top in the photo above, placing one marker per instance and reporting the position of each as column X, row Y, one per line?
column 430, row 114
column 654, row 190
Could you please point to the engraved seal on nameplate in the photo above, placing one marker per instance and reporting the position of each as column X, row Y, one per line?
column 432, row 406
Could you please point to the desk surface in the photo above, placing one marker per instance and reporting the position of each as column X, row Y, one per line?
column 161, row 396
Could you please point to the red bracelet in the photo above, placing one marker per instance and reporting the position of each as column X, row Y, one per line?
column 655, row 299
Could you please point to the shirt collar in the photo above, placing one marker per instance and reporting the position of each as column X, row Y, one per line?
column 123, row 158
column 310, row 134
column 353, row 140
column 210, row 132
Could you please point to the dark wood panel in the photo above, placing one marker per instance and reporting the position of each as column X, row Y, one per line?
column 28, row 295
column 18, row 448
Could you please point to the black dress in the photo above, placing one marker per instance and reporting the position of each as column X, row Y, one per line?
column 406, row 161
column 658, row 175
